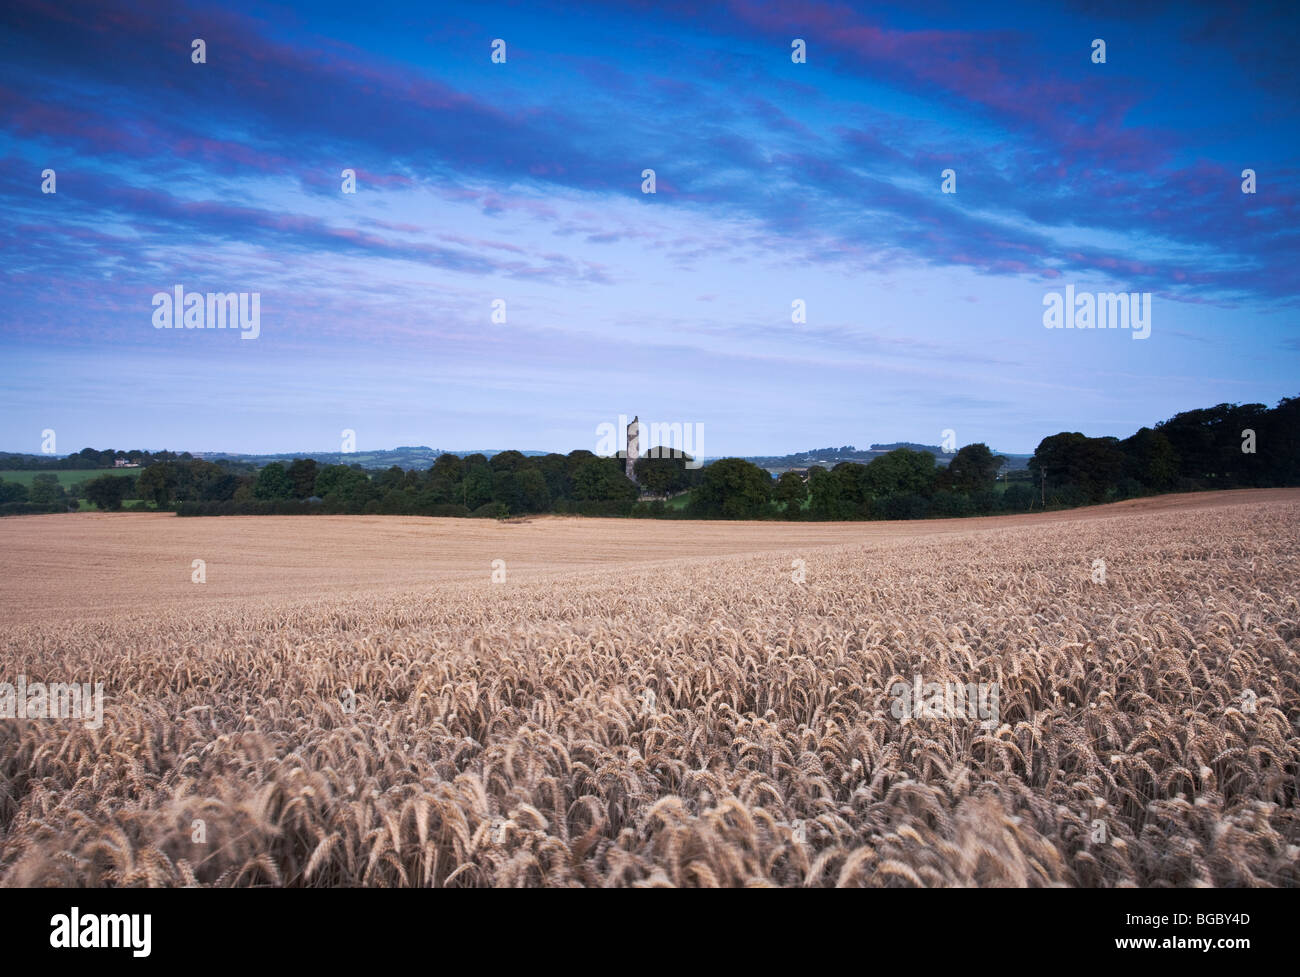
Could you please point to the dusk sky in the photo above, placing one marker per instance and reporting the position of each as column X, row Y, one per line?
column 522, row 182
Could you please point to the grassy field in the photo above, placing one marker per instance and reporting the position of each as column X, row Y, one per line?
column 679, row 501
column 354, row 700
column 71, row 477
column 66, row 478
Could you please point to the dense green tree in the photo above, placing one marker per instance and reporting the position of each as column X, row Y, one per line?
column 13, row 492
column 1276, row 460
column 390, row 479
column 840, row 493
column 219, row 488
column 947, row 504
column 447, row 466
column 1093, row 465
column 901, row 471
column 302, row 473
column 1150, row 458
column 504, row 490
column 572, row 462
column 972, row 469
column 507, row 461
column 555, row 469
column 476, row 484
column 444, row 479
column 45, row 489
column 193, row 478
column 1208, row 441
column 354, row 490
column 399, row 502
column 108, row 491
column 733, row 488
column 823, row 493
column 530, row 493
column 328, row 478
column 905, row 505
column 157, row 482
column 602, row 480
column 1018, row 497
column 273, row 483
column 665, row 473
column 856, row 483
column 790, row 491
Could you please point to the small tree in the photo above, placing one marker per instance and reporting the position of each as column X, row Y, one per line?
column 13, row 492
column 973, row 469
column 46, row 489
column 157, row 483
column 108, row 491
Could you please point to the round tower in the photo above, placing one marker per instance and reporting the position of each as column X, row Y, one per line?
column 633, row 448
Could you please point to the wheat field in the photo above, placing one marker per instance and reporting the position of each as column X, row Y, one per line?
column 355, row 701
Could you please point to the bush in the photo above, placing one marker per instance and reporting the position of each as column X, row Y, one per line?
column 1128, row 488
column 11, row 492
column 491, row 510
column 291, row 507
column 947, row 504
column 1066, row 496
column 908, row 505
column 454, row 509
column 45, row 489
column 108, row 491
column 1018, row 498
column 605, row 507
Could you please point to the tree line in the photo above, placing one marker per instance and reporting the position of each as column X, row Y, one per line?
column 86, row 458
column 508, row 483
column 1226, row 446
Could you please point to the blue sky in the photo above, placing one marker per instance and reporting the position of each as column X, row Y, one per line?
column 521, row 182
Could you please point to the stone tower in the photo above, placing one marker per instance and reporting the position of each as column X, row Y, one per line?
column 633, row 447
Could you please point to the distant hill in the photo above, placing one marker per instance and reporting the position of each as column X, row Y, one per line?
column 405, row 457
column 934, row 449
column 830, row 457
column 419, row 457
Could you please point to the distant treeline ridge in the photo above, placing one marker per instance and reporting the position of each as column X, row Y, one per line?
column 1226, row 446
